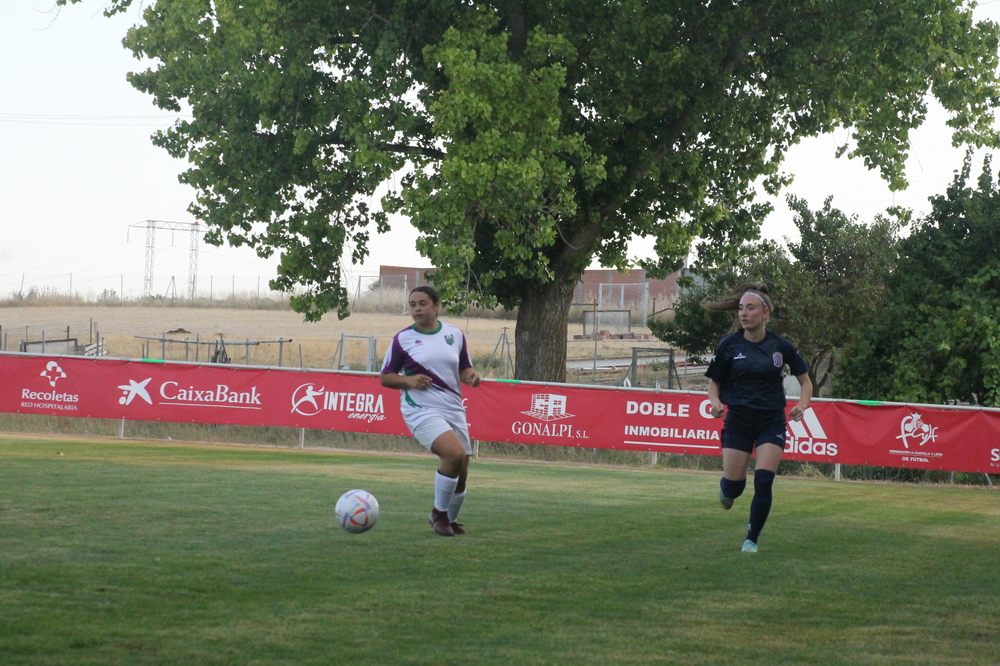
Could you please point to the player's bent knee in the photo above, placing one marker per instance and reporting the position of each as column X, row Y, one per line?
column 763, row 480
column 450, row 450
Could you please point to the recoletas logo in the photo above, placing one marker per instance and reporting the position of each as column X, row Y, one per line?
column 53, row 373
column 52, row 399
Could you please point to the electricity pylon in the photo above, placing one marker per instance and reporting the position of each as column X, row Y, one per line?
column 151, row 227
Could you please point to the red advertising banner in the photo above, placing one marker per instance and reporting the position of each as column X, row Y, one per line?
column 892, row 435
column 193, row 393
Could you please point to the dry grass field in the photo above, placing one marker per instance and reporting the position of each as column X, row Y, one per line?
column 123, row 327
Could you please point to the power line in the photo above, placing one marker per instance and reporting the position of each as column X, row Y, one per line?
column 91, row 120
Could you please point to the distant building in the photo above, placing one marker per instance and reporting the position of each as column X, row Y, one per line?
column 607, row 286
column 404, row 277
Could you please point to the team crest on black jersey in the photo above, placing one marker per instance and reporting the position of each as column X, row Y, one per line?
column 778, row 360
column 450, row 339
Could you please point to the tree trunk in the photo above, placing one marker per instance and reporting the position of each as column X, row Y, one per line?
column 540, row 336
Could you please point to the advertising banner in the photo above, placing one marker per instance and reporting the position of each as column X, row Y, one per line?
column 192, row 393
column 891, row 435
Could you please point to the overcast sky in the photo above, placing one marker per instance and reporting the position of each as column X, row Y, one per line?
column 78, row 168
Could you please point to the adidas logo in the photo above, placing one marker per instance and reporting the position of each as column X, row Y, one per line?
column 808, row 437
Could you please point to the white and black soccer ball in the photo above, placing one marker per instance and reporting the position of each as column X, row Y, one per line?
column 357, row 511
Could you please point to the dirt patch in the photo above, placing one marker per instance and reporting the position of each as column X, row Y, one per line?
column 211, row 323
column 120, row 326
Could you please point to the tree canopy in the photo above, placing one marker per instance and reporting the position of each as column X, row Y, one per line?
column 827, row 285
column 525, row 139
column 937, row 338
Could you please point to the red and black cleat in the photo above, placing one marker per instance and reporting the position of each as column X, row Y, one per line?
column 439, row 519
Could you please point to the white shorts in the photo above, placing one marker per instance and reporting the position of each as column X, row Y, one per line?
column 433, row 426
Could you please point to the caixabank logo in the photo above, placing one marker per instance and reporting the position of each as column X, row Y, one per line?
column 49, row 397
column 191, row 395
column 308, row 400
column 808, row 437
column 547, row 409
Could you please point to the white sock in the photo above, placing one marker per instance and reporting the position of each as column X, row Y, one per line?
column 455, row 507
column 444, row 490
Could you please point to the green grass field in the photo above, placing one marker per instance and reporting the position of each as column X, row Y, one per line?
column 118, row 552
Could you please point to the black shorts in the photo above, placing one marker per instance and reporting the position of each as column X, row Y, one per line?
column 746, row 428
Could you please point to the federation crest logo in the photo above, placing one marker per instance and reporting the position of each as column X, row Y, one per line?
column 450, row 339
column 304, row 400
column 778, row 359
column 548, row 407
column 53, row 373
column 912, row 429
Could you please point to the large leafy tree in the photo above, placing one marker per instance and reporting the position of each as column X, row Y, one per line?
column 937, row 339
column 827, row 285
column 526, row 139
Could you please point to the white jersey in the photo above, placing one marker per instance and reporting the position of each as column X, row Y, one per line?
column 441, row 355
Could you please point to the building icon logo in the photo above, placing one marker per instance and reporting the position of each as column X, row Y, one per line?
column 548, row 407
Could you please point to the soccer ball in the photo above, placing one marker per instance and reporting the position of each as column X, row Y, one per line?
column 357, row 511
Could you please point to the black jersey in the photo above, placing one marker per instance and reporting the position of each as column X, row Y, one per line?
column 749, row 373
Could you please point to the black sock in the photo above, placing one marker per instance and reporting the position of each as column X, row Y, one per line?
column 732, row 489
column 761, row 504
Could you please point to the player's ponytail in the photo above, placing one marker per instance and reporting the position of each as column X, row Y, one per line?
column 731, row 303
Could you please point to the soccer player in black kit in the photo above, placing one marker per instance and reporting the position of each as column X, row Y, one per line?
column 745, row 375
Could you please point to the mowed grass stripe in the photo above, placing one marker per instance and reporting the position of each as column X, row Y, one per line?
column 133, row 552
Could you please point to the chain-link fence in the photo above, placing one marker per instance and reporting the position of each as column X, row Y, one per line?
column 382, row 293
column 494, row 356
column 80, row 338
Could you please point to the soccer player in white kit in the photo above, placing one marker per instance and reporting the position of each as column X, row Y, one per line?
column 428, row 362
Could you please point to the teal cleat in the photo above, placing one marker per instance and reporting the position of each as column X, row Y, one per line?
column 749, row 546
column 726, row 502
